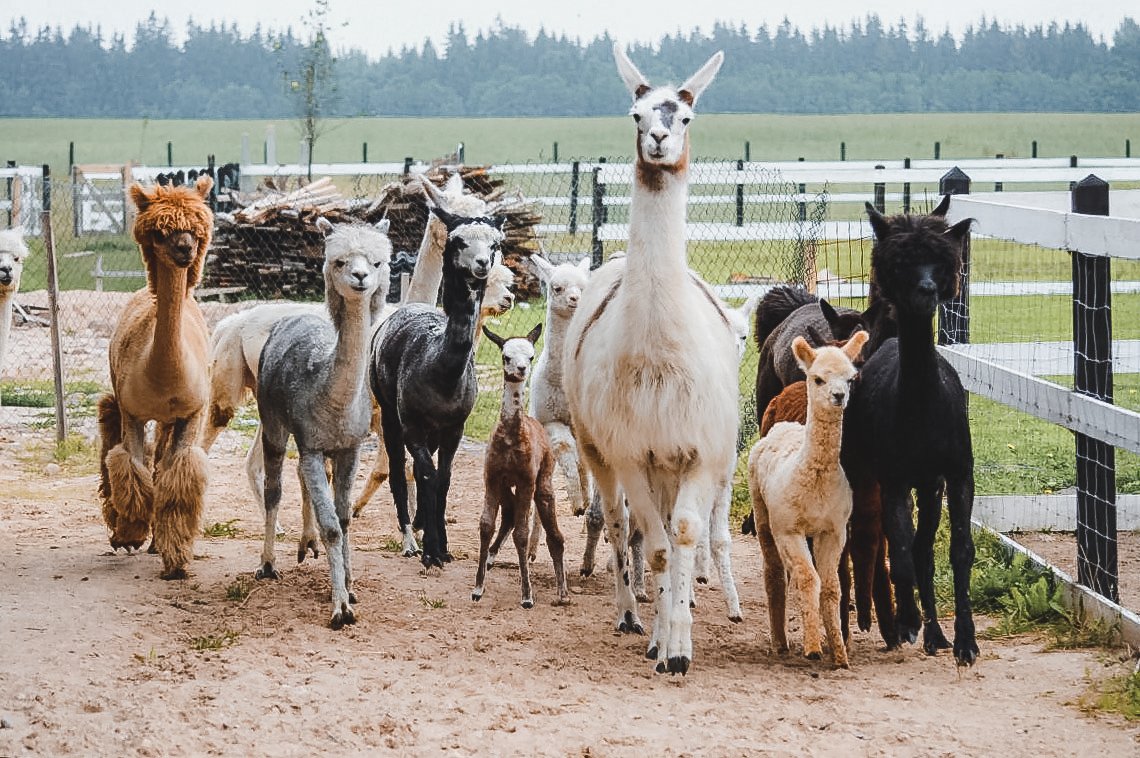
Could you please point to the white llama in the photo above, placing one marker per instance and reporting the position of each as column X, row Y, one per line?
column 13, row 251
column 799, row 491
column 651, row 375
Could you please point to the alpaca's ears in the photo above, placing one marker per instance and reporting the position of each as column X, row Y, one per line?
column 203, row 186
column 449, row 220
column 634, row 80
column 585, row 263
column 542, row 267
column 943, row 207
column 878, row 222
column 959, row 231
column 749, row 307
column 383, row 225
column 534, row 333
column 803, row 352
column 498, row 222
column 324, row 226
column 433, row 194
column 140, row 197
column 454, row 184
column 695, row 84
column 493, row 337
column 854, row 346
column 829, row 313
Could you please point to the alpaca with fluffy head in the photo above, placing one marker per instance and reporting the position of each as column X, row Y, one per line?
column 650, row 373
column 159, row 372
column 311, row 385
column 13, row 251
column 907, row 426
column 799, row 492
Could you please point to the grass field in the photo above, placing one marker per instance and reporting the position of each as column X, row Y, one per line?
column 503, row 140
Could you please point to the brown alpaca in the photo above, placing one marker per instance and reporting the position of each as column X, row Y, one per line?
column 865, row 535
column 518, row 468
column 159, row 373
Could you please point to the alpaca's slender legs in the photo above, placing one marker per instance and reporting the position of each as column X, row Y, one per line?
column 272, row 458
column 379, row 472
column 427, row 503
column 617, row 530
column 797, row 557
column 523, row 496
column 128, row 487
column 845, row 590
column 344, row 464
column 309, row 534
column 504, row 529
column 312, row 465
column 637, row 562
column 181, row 475
column 595, row 524
column 447, row 447
column 899, row 525
column 534, row 538
column 688, row 525
column 393, row 441
column 565, row 451
column 486, row 530
column 555, row 542
column 866, row 533
column 720, row 541
column 885, row 598
column 828, row 548
column 775, row 583
column 929, row 516
column 640, row 498
column 960, row 503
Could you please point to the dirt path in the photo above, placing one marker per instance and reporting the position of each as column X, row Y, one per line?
column 97, row 654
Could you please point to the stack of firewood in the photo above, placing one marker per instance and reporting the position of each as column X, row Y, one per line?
column 270, row 245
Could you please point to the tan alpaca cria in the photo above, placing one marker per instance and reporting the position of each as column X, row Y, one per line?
column 160, row 373
column 799, row 491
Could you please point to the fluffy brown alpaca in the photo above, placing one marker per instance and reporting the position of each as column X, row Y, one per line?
column 159, row 372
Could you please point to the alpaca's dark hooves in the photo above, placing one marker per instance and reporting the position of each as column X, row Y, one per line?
column 528, row 604
column 630, row 625
column 651, row 653
column 431, row 561
column 267, row 571
column 702, row 580
column 933, row 639
column 411, row 553
column 342, row 618
column 586, row 571
column 748, row 526
column 352, row 598
column 476, row 595
column 863, row 621
column 660, row 668
column 736, row 619
column 965, row 653
column 178, row 573
column 815, row 655
column 692, row 604
column 309, row 546
column 642, row 597
column 679, row 665
column 580, row 511
column 151, row 549
column 564, row 600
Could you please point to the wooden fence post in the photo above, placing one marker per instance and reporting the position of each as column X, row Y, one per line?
column 1092, row 375
column 739, row 193
column 906, row 189
column 53, row 302
column 954, row 316
column 575, row 181
column 880, row 201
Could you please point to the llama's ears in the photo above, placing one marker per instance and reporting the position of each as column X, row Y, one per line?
column 534, row 333
column 140, row 197
column 542, row 267
column 493, row 337
column 585, row 263
column 382, row 226
column 634, row 80
column 959, row 231
column 695, row 84
column 203, row 186
column 878, row 222
column 498, row 222
column 454, row 184
column 829, row 314
column 749, row 307
column 434, row 197
column 449, row 220
column 943, row 207
column 324, row 226
column 854, row 346
column 803, row 352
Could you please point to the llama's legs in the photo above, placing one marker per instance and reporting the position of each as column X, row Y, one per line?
column 344, row 472
column 181, row 475
column 309, row 535
column 486, row 530
column 719, row 539
column 845, row 591
column 595, row 523
column 797, row 557
column 379, row 471
column 504, row 529
column 884, row 598
column 312, row 465
column 427, row 504
column 617, row 531
column 866, row 536
column 960, row 505
column 255, row 474
column 565, row 451
column 687, row 527
column 447, row 447
column 929, row 516
column 273, row 458
column 555, row 542
column 129, row 486
column 899, row 526
column 637, row 562
column 522, row 498
column 533, row 540
column 828, row 548
column 393, row 441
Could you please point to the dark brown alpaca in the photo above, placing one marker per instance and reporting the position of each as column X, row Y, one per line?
column 517, row 470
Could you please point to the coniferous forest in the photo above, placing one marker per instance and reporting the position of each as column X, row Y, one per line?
column 217, row 72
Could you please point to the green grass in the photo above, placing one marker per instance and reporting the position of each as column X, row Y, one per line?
column 222, row 529
column 217, row 640
column 1120, row 694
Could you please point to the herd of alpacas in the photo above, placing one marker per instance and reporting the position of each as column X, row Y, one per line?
column 634, row 398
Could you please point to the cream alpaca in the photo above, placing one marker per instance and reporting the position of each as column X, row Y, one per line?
column 13, row 251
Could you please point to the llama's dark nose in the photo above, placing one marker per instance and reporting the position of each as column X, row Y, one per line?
column 5, row 274
column 659, row 135
column 838, row 398
column 572, row 300
column 927, row 287
column 360, row 277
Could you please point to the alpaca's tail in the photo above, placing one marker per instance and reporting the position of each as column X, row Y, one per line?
column 776, row 306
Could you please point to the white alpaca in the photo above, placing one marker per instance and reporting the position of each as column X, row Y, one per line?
column 427, row 276
column 799, row 491
column 13, row 251
column 651, row 375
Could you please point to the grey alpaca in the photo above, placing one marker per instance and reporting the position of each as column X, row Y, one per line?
column 311, row 384
column 422, row 374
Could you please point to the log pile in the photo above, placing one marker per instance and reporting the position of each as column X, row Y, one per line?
column 270, row 246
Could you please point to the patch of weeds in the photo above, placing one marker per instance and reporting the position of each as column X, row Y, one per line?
column 74, row 449
column 392, row 545
column 239, row 590
column 432, row 603
column 1121, row 694
column 222, row 529
column 1077, row 630
column 215, row 640
column 150, row 659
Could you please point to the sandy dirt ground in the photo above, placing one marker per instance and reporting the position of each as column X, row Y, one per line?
column 98, row 656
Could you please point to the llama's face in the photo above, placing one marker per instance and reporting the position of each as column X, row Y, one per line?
column 738, row 319
column 662, row 120
column 498, row 298
column 518, row 354
column 477, row 247
column 13, row 251
column 564, row 286
column 829, row 371
column 357, row 260
column 916, row 260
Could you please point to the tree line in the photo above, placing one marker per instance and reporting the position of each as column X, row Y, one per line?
column 866, row 67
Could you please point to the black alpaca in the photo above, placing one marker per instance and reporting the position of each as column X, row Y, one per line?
column 422, row 373
column 906, row 425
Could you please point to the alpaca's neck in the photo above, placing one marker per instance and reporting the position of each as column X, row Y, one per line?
column 353, row 329
column 171, row 293
column 461, row 306
column 511, row 413
column 5, row 323
column 918, row 360
column 656, row 260
column 822, row 434
column 555, row 339
column 428, row 271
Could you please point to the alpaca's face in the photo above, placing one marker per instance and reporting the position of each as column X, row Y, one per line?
column 476, row 247
column 177, row 246
column 12, row 254
column 518, row 354
column 357, row 261
column 662, row 120
column 498, row 298
column 564, row 287
column 829, row 378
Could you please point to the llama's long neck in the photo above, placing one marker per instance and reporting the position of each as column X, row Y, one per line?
column 822, row 434
column 166, row 362
column 918, row 360
column 656, row 262
column 511, row 412
column 461, row 306
column 353, row 323
column 555, row 338
column 428, row 271
column 6, row 298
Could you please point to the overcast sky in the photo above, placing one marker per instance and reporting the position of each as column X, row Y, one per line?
column 379, row 26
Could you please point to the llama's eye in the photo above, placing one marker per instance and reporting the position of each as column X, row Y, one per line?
column 818, row 381
column 460, row 244
column 495, row 246
column 686, row 120
column 340, row 264
column 637, row 118
column 557, row 290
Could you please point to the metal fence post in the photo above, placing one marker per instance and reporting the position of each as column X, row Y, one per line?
column 53, row 302
column 599, row 215
column 954, row 316
column 739, row 193
column 906, row 189
column 575, row 179
column 12, row 206
column 880, row 202
column 1092, row 375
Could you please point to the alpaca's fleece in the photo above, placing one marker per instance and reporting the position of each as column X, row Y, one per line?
column 13, row 251
column 164, row 210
